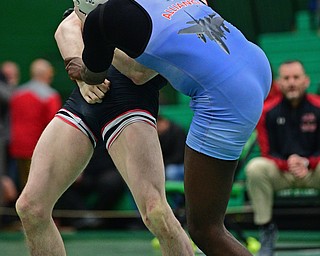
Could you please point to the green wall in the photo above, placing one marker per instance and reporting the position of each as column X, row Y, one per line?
column 27, row 28
column 27, row 32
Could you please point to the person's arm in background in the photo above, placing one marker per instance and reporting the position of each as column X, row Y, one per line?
column 314, row 159
column 53, row 104
column 5, row 90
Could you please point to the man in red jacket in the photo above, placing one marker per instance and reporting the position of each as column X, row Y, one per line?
column 32, row 106
column 289, row 139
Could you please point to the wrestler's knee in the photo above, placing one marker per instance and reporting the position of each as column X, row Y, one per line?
column 156, row 215
column 195, row 232
column 31, row 212
column 200, row 232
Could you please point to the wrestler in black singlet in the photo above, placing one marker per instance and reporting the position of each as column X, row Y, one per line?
column 123, row 104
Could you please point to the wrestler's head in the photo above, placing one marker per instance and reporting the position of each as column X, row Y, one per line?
column 86, row 6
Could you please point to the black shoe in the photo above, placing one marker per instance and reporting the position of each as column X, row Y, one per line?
column 268, row 237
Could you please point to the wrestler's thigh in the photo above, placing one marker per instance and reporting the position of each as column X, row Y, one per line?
column 60, row 155
column 137, row 155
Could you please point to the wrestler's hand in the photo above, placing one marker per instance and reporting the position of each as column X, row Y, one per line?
column 74, row 66
column 93, row 93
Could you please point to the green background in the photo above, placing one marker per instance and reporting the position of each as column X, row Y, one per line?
column 27, row 29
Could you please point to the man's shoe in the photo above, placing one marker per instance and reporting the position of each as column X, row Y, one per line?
column 268, row 238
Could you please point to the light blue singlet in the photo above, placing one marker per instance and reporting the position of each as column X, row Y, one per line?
column 208, row 59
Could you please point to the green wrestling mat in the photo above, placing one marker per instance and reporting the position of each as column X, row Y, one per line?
column 125, row 243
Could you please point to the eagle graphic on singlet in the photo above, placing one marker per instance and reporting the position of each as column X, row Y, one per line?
column 211, row 26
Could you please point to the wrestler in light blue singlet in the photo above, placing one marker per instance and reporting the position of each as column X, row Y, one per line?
column 208, row 59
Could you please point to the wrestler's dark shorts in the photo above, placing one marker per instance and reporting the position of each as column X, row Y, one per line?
column 123, row 104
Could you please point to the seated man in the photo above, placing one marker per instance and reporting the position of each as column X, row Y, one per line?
column 8, row 196
column 288, row 134
column 172, row 139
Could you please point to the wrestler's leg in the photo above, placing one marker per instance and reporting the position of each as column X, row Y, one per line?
column 60, row 155
column 137, row 155
column 208, row 184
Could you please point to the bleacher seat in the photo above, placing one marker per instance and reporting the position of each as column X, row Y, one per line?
column 302, row 44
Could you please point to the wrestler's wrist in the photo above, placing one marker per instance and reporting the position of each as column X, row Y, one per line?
column 70, row 59
column 73, row 67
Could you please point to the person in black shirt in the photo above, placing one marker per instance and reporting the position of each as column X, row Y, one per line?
column 289, row 139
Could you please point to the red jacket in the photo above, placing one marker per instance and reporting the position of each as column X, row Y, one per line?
column 32, row 106
column 283, row 131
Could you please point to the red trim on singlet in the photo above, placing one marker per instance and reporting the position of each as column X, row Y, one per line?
column 114, row 136
column 59, row 115
column 68, row 122
column 124, row 113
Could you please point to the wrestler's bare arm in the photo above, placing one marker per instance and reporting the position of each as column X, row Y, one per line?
column 69, row 40
column 69, row 37
column 138, row 73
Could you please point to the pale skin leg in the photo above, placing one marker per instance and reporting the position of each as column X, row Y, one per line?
column 59, row 157
column 53, row 170
column 137, row 155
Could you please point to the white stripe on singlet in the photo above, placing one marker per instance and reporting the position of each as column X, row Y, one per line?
column 122, row 121
column 78, row 123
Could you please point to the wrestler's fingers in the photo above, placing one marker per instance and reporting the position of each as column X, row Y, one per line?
column 97, row 101
column 98, row 92
column 103, row 89
column 88, row 99
column 92, row 101
column 105, row 86
column 96, row 98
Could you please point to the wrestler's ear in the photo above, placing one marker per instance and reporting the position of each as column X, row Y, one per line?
column 67, row 13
